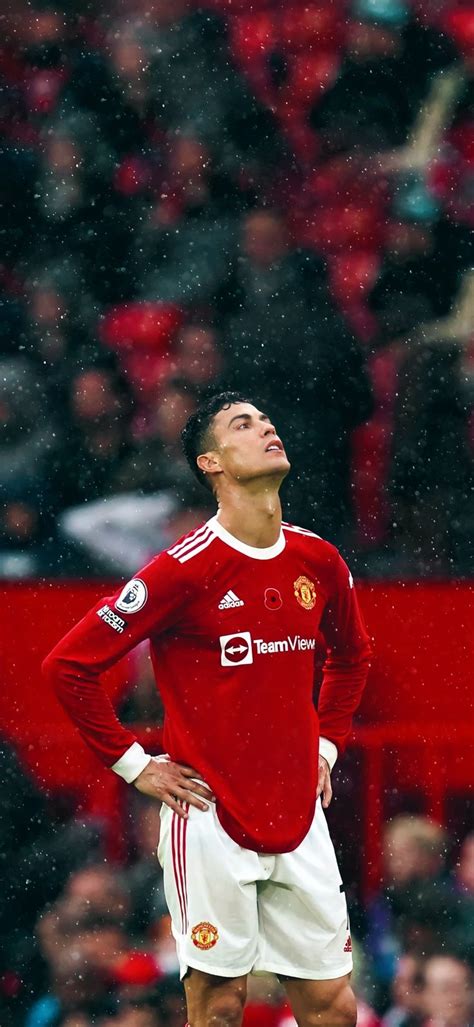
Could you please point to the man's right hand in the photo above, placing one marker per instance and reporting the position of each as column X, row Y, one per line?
column 169, row 782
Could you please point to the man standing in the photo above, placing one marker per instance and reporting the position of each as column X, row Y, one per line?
column 233, row 611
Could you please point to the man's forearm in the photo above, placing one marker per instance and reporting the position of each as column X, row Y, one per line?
column 87, row 704
column 341, row 691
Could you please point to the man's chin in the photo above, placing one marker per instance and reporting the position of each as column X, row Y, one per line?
column 274, row 474
column 278, row 470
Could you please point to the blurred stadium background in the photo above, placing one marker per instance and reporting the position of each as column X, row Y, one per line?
column 279, row 197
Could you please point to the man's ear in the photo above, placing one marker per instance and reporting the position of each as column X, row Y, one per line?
column 208, row 463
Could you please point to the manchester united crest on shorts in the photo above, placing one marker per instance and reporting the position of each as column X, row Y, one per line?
column 305, row 592
column 204, row 935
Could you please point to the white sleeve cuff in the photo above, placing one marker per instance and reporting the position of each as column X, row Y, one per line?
column 328, row 750
column 131, row 764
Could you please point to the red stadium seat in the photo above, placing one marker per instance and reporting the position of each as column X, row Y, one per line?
column 346, row 178
column 372, row 451
column 136, row 968
column 331, row 229
column 352, row 275
column 326, row 184
column 252, row 36
column 459, row 24
column 310, row 74
column 370, row 464
column 146, row 325
column 311, row 26
column 134, row 175
column 231, row 7
column 143, row 334
column 302, row 140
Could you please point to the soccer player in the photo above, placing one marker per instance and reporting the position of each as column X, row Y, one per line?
column 233, row 611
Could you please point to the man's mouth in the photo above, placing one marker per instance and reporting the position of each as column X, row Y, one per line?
column 274, row 445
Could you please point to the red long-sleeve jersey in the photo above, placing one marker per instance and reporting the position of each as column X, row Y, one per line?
column 232, row 632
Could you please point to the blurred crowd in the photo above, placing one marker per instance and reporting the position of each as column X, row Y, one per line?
column 276, row 197
column 85, row 940
column 272, row 197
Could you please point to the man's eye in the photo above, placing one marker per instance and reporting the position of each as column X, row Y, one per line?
column 243, row 425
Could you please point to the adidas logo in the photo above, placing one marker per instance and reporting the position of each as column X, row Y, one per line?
column 229, row 600
column 348, row 945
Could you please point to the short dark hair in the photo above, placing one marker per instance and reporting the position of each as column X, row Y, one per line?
column 195, row 434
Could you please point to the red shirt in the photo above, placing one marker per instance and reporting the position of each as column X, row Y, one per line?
column 232, row 632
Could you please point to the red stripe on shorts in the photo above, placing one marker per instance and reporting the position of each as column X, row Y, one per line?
column 185, row 881
column 175, row 822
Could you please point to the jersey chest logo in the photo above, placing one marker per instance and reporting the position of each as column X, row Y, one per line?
column 241, row 648
column 236, row 649
column 230, row 601
column 305, row 592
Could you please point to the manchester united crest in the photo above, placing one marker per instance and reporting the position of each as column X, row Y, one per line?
column 305, row 592
column 204, row 935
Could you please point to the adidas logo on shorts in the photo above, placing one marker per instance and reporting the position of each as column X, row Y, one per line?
column 230, row 600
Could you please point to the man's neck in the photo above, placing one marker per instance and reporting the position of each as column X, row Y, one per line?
column 254, row 519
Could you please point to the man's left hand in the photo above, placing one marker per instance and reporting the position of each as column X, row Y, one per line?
column 324, row 782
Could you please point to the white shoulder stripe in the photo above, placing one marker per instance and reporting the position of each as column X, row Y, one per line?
column 189, row 540
column 188, row 550
column 198, row 549
column 299, row 531
column 192, row 545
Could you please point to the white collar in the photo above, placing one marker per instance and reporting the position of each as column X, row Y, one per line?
column 253, row 551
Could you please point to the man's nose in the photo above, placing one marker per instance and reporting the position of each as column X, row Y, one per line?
column 268, row 429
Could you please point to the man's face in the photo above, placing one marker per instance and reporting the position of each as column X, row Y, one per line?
column 406, row 860
column 405, row 986
column 465, row 872
column 264, row 238
column 447, row 994
column 245, row 447
column 198, row 356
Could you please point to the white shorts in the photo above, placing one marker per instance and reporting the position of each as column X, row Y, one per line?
column 234, row 911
